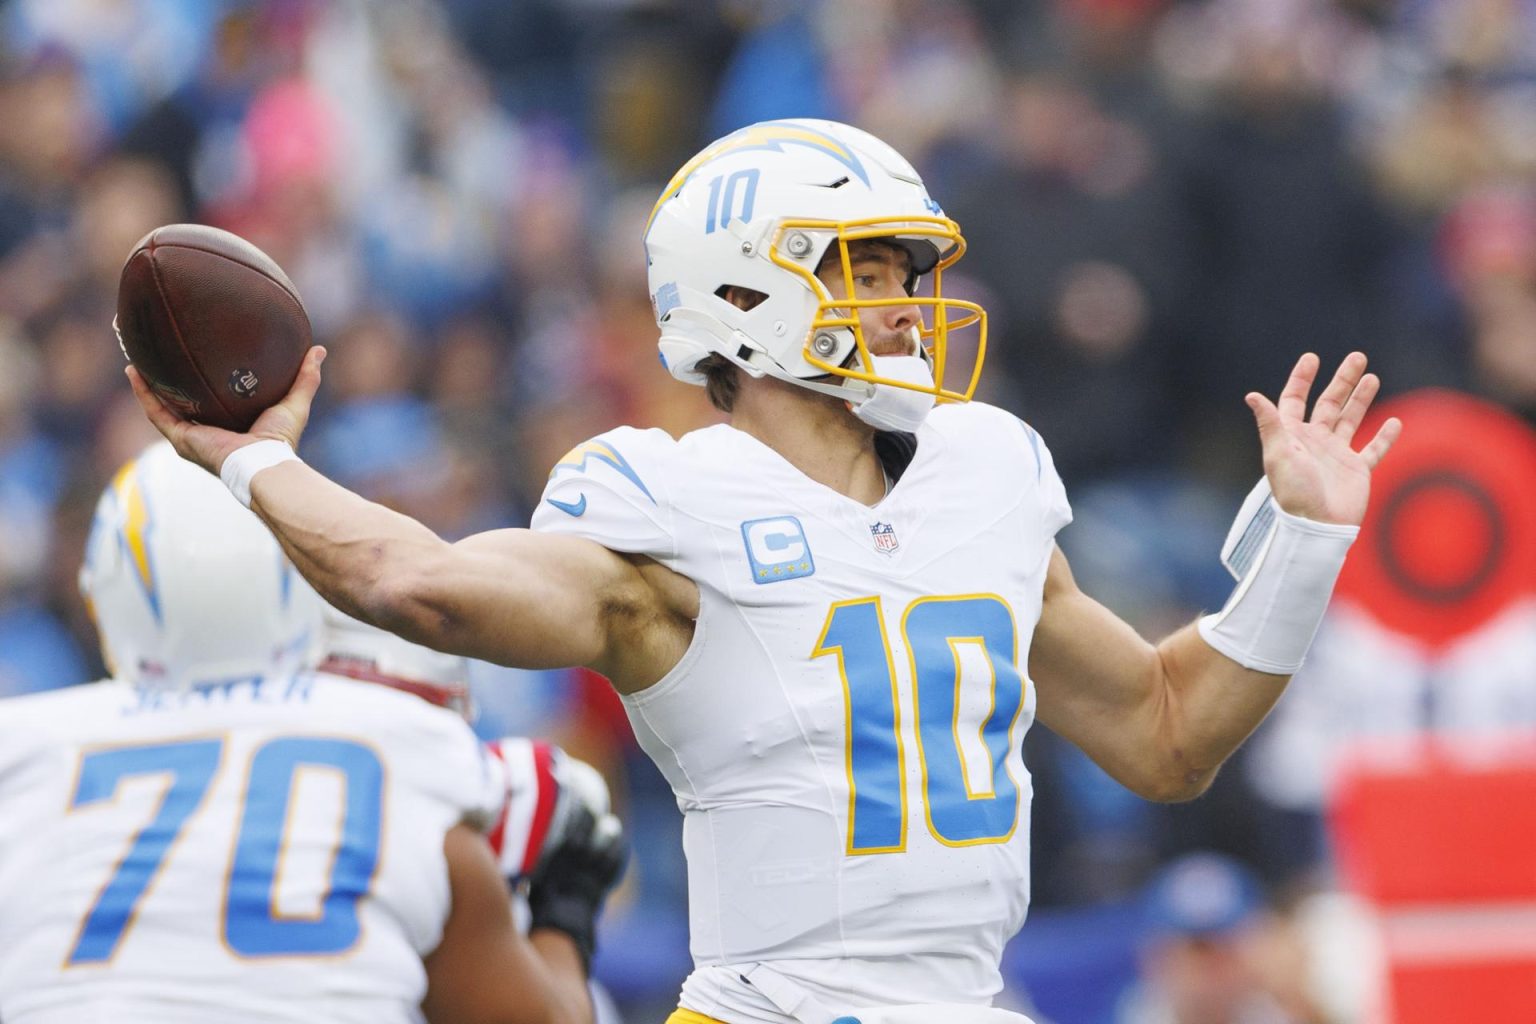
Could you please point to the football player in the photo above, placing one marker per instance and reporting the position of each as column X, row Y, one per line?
column 218, row 832
column 548, row 790
column 833, row 619
column 552, row 797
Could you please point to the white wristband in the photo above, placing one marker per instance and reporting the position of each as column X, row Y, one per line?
column 1289, row 565
column 241, row 466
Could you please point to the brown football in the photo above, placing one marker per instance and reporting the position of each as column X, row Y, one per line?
column 211, row 322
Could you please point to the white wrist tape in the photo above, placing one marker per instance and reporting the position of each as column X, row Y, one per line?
column 1286, row 567
column 241, row 465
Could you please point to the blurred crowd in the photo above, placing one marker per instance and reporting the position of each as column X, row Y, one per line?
column 1166, row 201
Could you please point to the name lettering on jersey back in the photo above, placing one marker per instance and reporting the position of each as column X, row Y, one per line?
column 247, row 689
column 777, row 549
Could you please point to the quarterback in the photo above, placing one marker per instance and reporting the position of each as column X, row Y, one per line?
column 833, row 619
column 220, row 833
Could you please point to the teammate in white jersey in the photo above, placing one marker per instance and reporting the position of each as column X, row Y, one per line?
column 553, row 801
column 833, row 620
column 549, row 792
column 220, row 833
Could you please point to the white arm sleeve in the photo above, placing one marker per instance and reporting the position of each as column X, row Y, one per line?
column 1287, row 567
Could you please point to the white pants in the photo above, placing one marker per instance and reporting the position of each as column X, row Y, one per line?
column 933, row 1013
column 796, row 1002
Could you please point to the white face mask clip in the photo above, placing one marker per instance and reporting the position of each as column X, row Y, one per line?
column 896, row 408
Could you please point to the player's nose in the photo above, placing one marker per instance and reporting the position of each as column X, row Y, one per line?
column 903, row 317
column 897, row 327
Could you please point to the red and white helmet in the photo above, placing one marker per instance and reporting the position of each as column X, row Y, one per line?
column 187, row 586
column 360, row 651
column 759, row 209
column 549, row 793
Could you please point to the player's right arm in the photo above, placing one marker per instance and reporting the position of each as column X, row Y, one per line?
column 512, row 597
column 484, row 971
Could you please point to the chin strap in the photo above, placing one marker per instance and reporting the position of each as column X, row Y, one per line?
column 898, row 408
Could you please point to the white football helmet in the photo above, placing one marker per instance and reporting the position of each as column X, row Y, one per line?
column 759, row 209
column 188, row 587
column 360, row 651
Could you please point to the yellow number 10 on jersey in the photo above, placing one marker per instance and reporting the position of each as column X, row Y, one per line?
column 966, row 695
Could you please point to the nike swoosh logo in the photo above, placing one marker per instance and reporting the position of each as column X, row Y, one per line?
column 573, row 508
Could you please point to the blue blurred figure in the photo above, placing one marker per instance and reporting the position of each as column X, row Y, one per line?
column 1201, row 913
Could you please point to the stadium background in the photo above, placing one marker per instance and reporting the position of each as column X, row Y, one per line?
column 1166, row 201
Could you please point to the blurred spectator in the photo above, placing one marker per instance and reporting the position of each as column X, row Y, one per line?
column 119, row 202
column 637, row 104
column 130, row 52
column 36, row 650
column 1069, row 227
column 1203, row 914
column 194, row 130
column 51, row 131
column 532, row 49
column 593, row 366
column 1488, row 248
column 922, row 77
column 31, row 469
column 376, row 435
column 469, row 376
column 1319, row 957
column 1447, row 142
column 1289, row 247
column 779, row 69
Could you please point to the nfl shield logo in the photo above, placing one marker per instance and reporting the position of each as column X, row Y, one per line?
column 885, row 537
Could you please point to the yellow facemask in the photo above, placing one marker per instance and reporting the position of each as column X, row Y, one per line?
column 940, row 315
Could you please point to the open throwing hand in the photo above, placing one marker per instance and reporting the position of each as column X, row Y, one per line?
column 1312, row 467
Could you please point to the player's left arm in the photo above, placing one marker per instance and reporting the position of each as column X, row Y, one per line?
column 1162, row 718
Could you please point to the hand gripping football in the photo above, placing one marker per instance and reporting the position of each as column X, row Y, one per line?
column 212, row 324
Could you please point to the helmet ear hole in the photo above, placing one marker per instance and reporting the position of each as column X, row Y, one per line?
column 742, row 297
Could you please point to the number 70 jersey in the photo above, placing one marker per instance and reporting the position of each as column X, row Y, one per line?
column 844, row 733
column 270, row 849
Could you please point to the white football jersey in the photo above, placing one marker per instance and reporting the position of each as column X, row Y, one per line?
column 266, row 850
column 844, row 733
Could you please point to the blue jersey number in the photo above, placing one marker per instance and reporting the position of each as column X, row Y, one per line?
column 967, row 694
column 723, row 197
column 191, row 767
column 252, row 924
